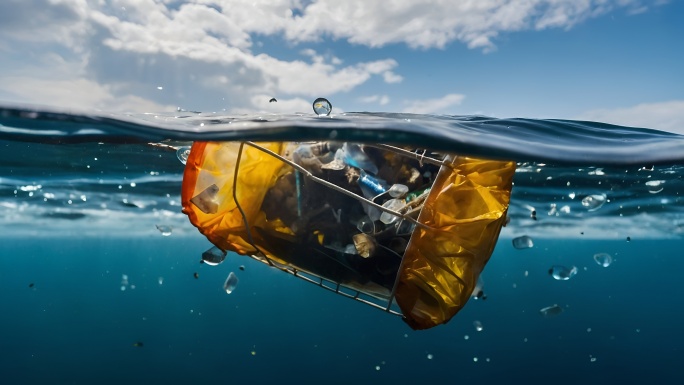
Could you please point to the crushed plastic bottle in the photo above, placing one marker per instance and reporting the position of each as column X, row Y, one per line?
column 562, row 273
column 398, row 191
column 603, row 259
column 551, row 311
column 594, row 202
column 231, row 283
column 392, row 204
column 322, row 107
column 523, row 242
column 213, row 256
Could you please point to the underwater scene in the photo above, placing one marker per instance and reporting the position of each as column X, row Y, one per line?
column 324, row 247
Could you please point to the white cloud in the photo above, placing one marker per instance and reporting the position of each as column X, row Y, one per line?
column 65, row 86
column 435, row 23
column 391, row 77
column 431, row 106
column 379, row 99
column 665, row 116
column 202, row 50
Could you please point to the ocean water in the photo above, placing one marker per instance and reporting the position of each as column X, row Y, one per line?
column 101, row 280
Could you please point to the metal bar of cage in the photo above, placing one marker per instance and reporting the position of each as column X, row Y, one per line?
column 262, row 257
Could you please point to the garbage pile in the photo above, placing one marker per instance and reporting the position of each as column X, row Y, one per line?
column 338, row 235
column 396, row 224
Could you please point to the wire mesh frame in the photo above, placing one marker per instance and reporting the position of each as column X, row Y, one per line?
column 318, row 280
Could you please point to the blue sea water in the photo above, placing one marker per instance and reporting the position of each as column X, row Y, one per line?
column 83, row 195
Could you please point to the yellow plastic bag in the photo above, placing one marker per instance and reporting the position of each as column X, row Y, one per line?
column 464, row 212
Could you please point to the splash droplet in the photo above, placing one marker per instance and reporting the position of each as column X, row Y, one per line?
column 322, row 107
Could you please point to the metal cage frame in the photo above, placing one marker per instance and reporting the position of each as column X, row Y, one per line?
column 326, row 283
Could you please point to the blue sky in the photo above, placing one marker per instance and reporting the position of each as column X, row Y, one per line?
column 618, row 61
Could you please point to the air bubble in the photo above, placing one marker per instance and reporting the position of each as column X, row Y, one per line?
column 231, row 283
column 523, row 242
column 183, row 153
column 322, row 107
column 562, row 273
column 603, row 259
column 594, row 202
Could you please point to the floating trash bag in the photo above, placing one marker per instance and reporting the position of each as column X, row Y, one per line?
column 387, row 226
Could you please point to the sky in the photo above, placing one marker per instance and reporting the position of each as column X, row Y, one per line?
column 616, row 61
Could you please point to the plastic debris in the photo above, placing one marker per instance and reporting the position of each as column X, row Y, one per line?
column 523, row 242
column 231, row 283
column 562, row 273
